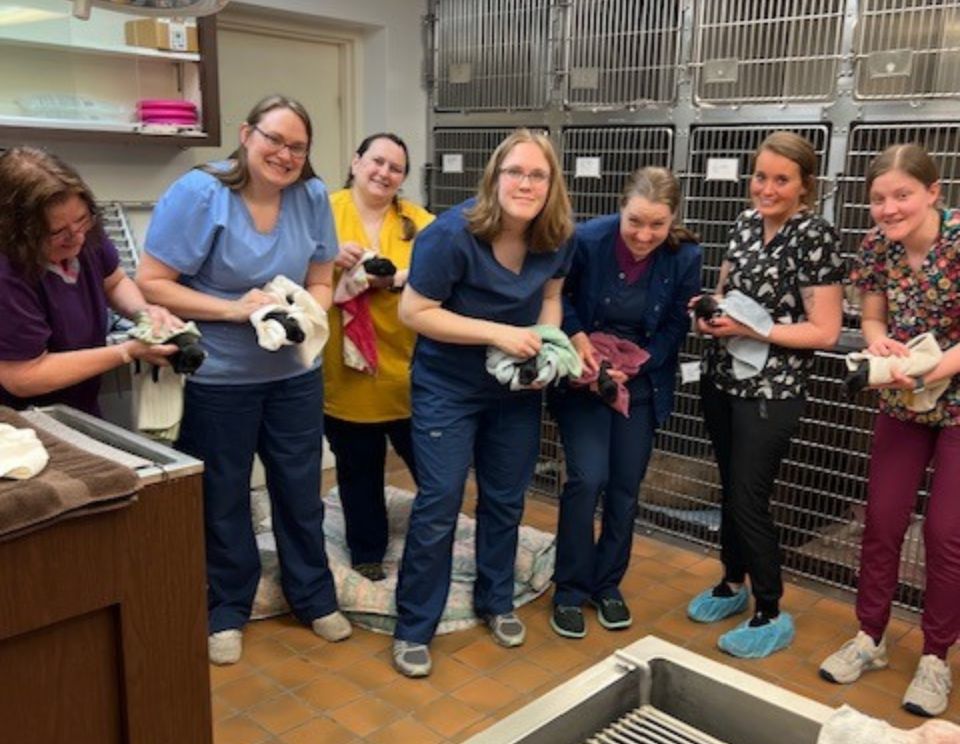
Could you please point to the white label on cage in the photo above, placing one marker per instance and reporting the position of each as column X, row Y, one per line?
column 461, row 73
column 689, row 372
column 723, row 169
column 452, row 162
column 587, row 168
column 178, row 36
column 585, row 78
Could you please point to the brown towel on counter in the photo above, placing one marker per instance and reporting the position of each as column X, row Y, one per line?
column 73, row 484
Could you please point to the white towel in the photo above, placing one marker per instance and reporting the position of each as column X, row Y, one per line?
column 850, row 726
column 157, row 400
column 22, row 455
column 299, row 304
column 925, row 354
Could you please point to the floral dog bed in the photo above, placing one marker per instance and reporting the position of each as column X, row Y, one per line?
column 371, row 604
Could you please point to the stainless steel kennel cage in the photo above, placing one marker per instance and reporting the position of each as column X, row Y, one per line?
column 624, row 83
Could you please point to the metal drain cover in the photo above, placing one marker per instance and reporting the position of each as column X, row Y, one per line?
column 648, row 725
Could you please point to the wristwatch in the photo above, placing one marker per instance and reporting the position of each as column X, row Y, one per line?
column 919, row 385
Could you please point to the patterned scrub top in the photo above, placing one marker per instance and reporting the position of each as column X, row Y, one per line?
column 927, row 299
column 805, row 252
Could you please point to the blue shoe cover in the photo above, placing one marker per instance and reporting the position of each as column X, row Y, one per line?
column 756, row 643
column 705, row 608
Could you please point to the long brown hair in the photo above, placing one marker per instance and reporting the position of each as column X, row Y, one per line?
column 407, row 226
column 31, row 181
column 551, row 228
column 659, row 186
column 237, row 176
column 798, row 149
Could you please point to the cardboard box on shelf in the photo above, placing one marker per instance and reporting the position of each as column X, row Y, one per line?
column 168, row 34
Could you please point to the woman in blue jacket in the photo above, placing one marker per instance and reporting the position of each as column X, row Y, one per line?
column 632, row 276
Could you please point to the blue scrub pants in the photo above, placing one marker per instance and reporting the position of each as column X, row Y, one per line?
column 224, row 425
column 607, row 456
column 501, row 434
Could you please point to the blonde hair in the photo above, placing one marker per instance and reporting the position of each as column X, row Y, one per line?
column 910, row 158
column 798, row 149
column 659, row 186
column 552, row 227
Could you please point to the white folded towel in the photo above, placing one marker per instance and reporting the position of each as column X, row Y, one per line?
column 22, row 455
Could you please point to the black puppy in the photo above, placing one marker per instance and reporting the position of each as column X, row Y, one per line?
column 291, row 327
column 189, row 355
column 857, row 380
column 606, row 385
column 706, row 308
column 527, row 371
column 379, row 266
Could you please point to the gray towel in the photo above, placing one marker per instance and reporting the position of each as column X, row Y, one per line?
column 749, row 354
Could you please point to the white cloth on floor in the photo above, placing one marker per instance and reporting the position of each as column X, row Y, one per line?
column 22, row 455
column 300, row 305
column 925, row 354
column 749, row 354
column 850, row 726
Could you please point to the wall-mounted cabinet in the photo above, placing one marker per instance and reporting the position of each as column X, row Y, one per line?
column 64, row 78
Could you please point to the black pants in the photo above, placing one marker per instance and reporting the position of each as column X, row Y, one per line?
column 750, row 437
column 361, row 452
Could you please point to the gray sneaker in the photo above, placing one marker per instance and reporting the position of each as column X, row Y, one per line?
column 507, row 629
column 411, row 659
column 856, row 656
column 927, row 694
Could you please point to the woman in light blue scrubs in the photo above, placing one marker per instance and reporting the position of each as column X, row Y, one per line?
column 482, row 274
column 220, row 233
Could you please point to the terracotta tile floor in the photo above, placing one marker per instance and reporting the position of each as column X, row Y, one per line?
column 293, row 688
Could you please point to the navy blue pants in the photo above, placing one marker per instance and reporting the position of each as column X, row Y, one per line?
column 501, row 434
column 282, row 421
column 361, row 451
column 607, row 456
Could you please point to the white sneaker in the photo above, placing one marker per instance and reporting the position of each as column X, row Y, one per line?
column 333, row 627
column 855, row 657
column 225, row 646
column 927, row 694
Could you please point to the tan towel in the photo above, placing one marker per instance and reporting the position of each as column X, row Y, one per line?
column 73, row 483
column 157, row 401
column 22, row 455
column 925, row 354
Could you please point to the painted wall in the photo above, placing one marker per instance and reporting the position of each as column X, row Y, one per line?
column 391, row 96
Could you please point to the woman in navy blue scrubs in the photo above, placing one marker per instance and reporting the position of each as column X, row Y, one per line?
column 632, row 276
column 482, row 274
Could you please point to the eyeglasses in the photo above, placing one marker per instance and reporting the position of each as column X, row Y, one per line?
column 517, row 175
column 297, row 150
column 66, row 233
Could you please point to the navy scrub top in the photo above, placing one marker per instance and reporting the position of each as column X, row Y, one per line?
column 457, row 269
